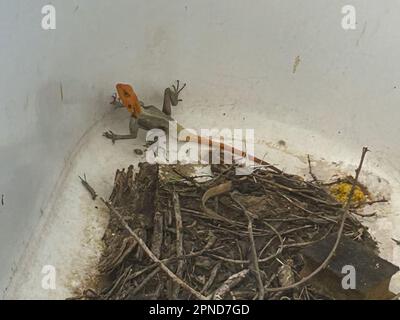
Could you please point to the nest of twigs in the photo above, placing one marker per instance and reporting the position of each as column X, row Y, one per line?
column 224, row 237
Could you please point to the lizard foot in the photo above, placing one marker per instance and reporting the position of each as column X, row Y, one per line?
column 116, row 101
column 110, row 135
column 113, row 137
column 177, row 90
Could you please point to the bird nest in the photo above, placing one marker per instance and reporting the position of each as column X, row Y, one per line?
column 173, row 234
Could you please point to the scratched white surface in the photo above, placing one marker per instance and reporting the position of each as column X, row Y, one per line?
column 237, row 59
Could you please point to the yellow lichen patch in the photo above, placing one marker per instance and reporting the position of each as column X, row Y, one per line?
column 341, row 192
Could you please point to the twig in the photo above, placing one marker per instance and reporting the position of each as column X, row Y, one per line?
column 310, row 169
column 302, row 208
column 179, row 240
column 158, row 291
column 144, row 282
column 368, row 215
column 396, row 241
column 151, row 255
column 144, row 270
column 172, row 259
column 183, row 257
column 88, row 187
column 188, row 178
column 157, row 237
column 112, row 261
column 279, row 251
column 339, row 233
column 118, row 283
column 211, row 279
column 368, row 203
column 250, row 216
column 255, row 261
column 229, row 284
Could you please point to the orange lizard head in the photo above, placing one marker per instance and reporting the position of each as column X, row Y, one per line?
column 129, row 99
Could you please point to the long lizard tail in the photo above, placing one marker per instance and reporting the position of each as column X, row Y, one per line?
column 222, row 146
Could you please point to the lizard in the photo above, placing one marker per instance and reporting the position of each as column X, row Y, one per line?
column 150, row 117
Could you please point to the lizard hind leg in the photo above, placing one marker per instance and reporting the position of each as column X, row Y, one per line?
column 171, row 97
column 175, row 93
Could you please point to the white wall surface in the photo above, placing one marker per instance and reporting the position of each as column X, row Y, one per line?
column 235, row 55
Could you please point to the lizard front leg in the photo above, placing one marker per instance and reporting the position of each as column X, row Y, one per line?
column 171, row 97
column 133, row 129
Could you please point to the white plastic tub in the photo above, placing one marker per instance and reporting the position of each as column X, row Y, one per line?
column 285, row 68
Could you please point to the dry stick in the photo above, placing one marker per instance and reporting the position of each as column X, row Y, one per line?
column 188, row 178
column 140, row 272
column 126, row 248
column 369, row 203
column 277, row 234
column 228, row 259
column 307, row 243
column 186, row 256
column 304, row 209
column 303, row 192
column 272, row 256
column 396, row 241
column 260, row 260
column 255, row 261
column 339, row 234
column 158, row 229
column 281, row 247
column 253, row 248
column 373, row 214
column 117, row 284
column 179, row 240
column 88, row 187
column 266, row 246
column 151, row 255
column 230, row 283
column 205, row 215
column 310, row 170
column 144, row 282
column 172, row 259
column 212, row 277
column 158, row 291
